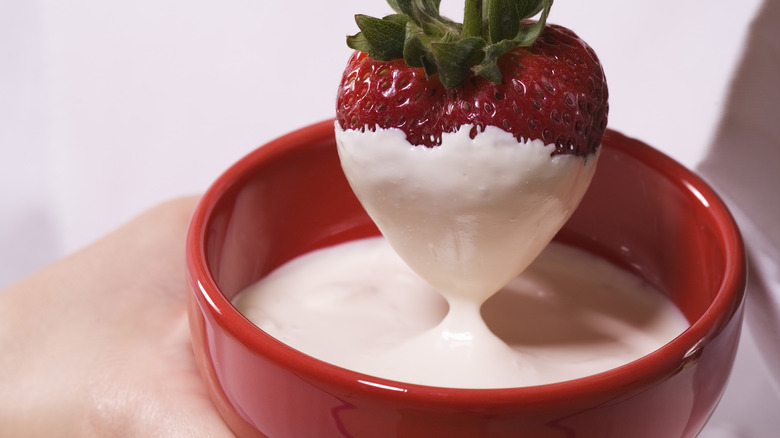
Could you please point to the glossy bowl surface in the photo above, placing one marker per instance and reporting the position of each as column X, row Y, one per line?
column 643, row 211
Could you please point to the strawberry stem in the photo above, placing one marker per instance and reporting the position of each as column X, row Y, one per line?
column 420, row 35
column 472, row 19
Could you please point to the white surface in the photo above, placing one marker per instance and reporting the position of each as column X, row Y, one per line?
column 107, row 108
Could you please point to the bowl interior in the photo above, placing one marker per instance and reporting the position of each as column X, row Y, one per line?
column 643, row 211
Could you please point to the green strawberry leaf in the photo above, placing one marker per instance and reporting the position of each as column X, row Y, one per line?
column 488, row 68
column 503, row 19
column 414, row 49
column 529, row 8
column 384, row 36
column 423, row 38
column 526, row 35
column 402, row 6
column 417, row 49
column 358, row 42
column 454, row 58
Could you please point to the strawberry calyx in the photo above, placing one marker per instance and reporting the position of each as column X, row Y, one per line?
column 423, row 38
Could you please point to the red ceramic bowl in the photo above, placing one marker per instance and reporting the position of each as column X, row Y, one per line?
column 643, row 211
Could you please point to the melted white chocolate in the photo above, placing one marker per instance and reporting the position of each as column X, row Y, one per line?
column 357, row 305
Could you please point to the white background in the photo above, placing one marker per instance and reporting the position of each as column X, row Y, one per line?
column 109, row 107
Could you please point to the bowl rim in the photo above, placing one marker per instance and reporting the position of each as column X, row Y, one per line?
column 658, row 365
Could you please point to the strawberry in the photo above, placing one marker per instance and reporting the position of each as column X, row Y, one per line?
column 427, row 75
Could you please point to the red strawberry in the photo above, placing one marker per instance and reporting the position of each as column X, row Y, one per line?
column 426, row 75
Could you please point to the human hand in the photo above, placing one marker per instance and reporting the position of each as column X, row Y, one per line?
column 98, row 344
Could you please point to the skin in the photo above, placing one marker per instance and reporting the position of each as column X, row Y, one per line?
column 98, row 343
